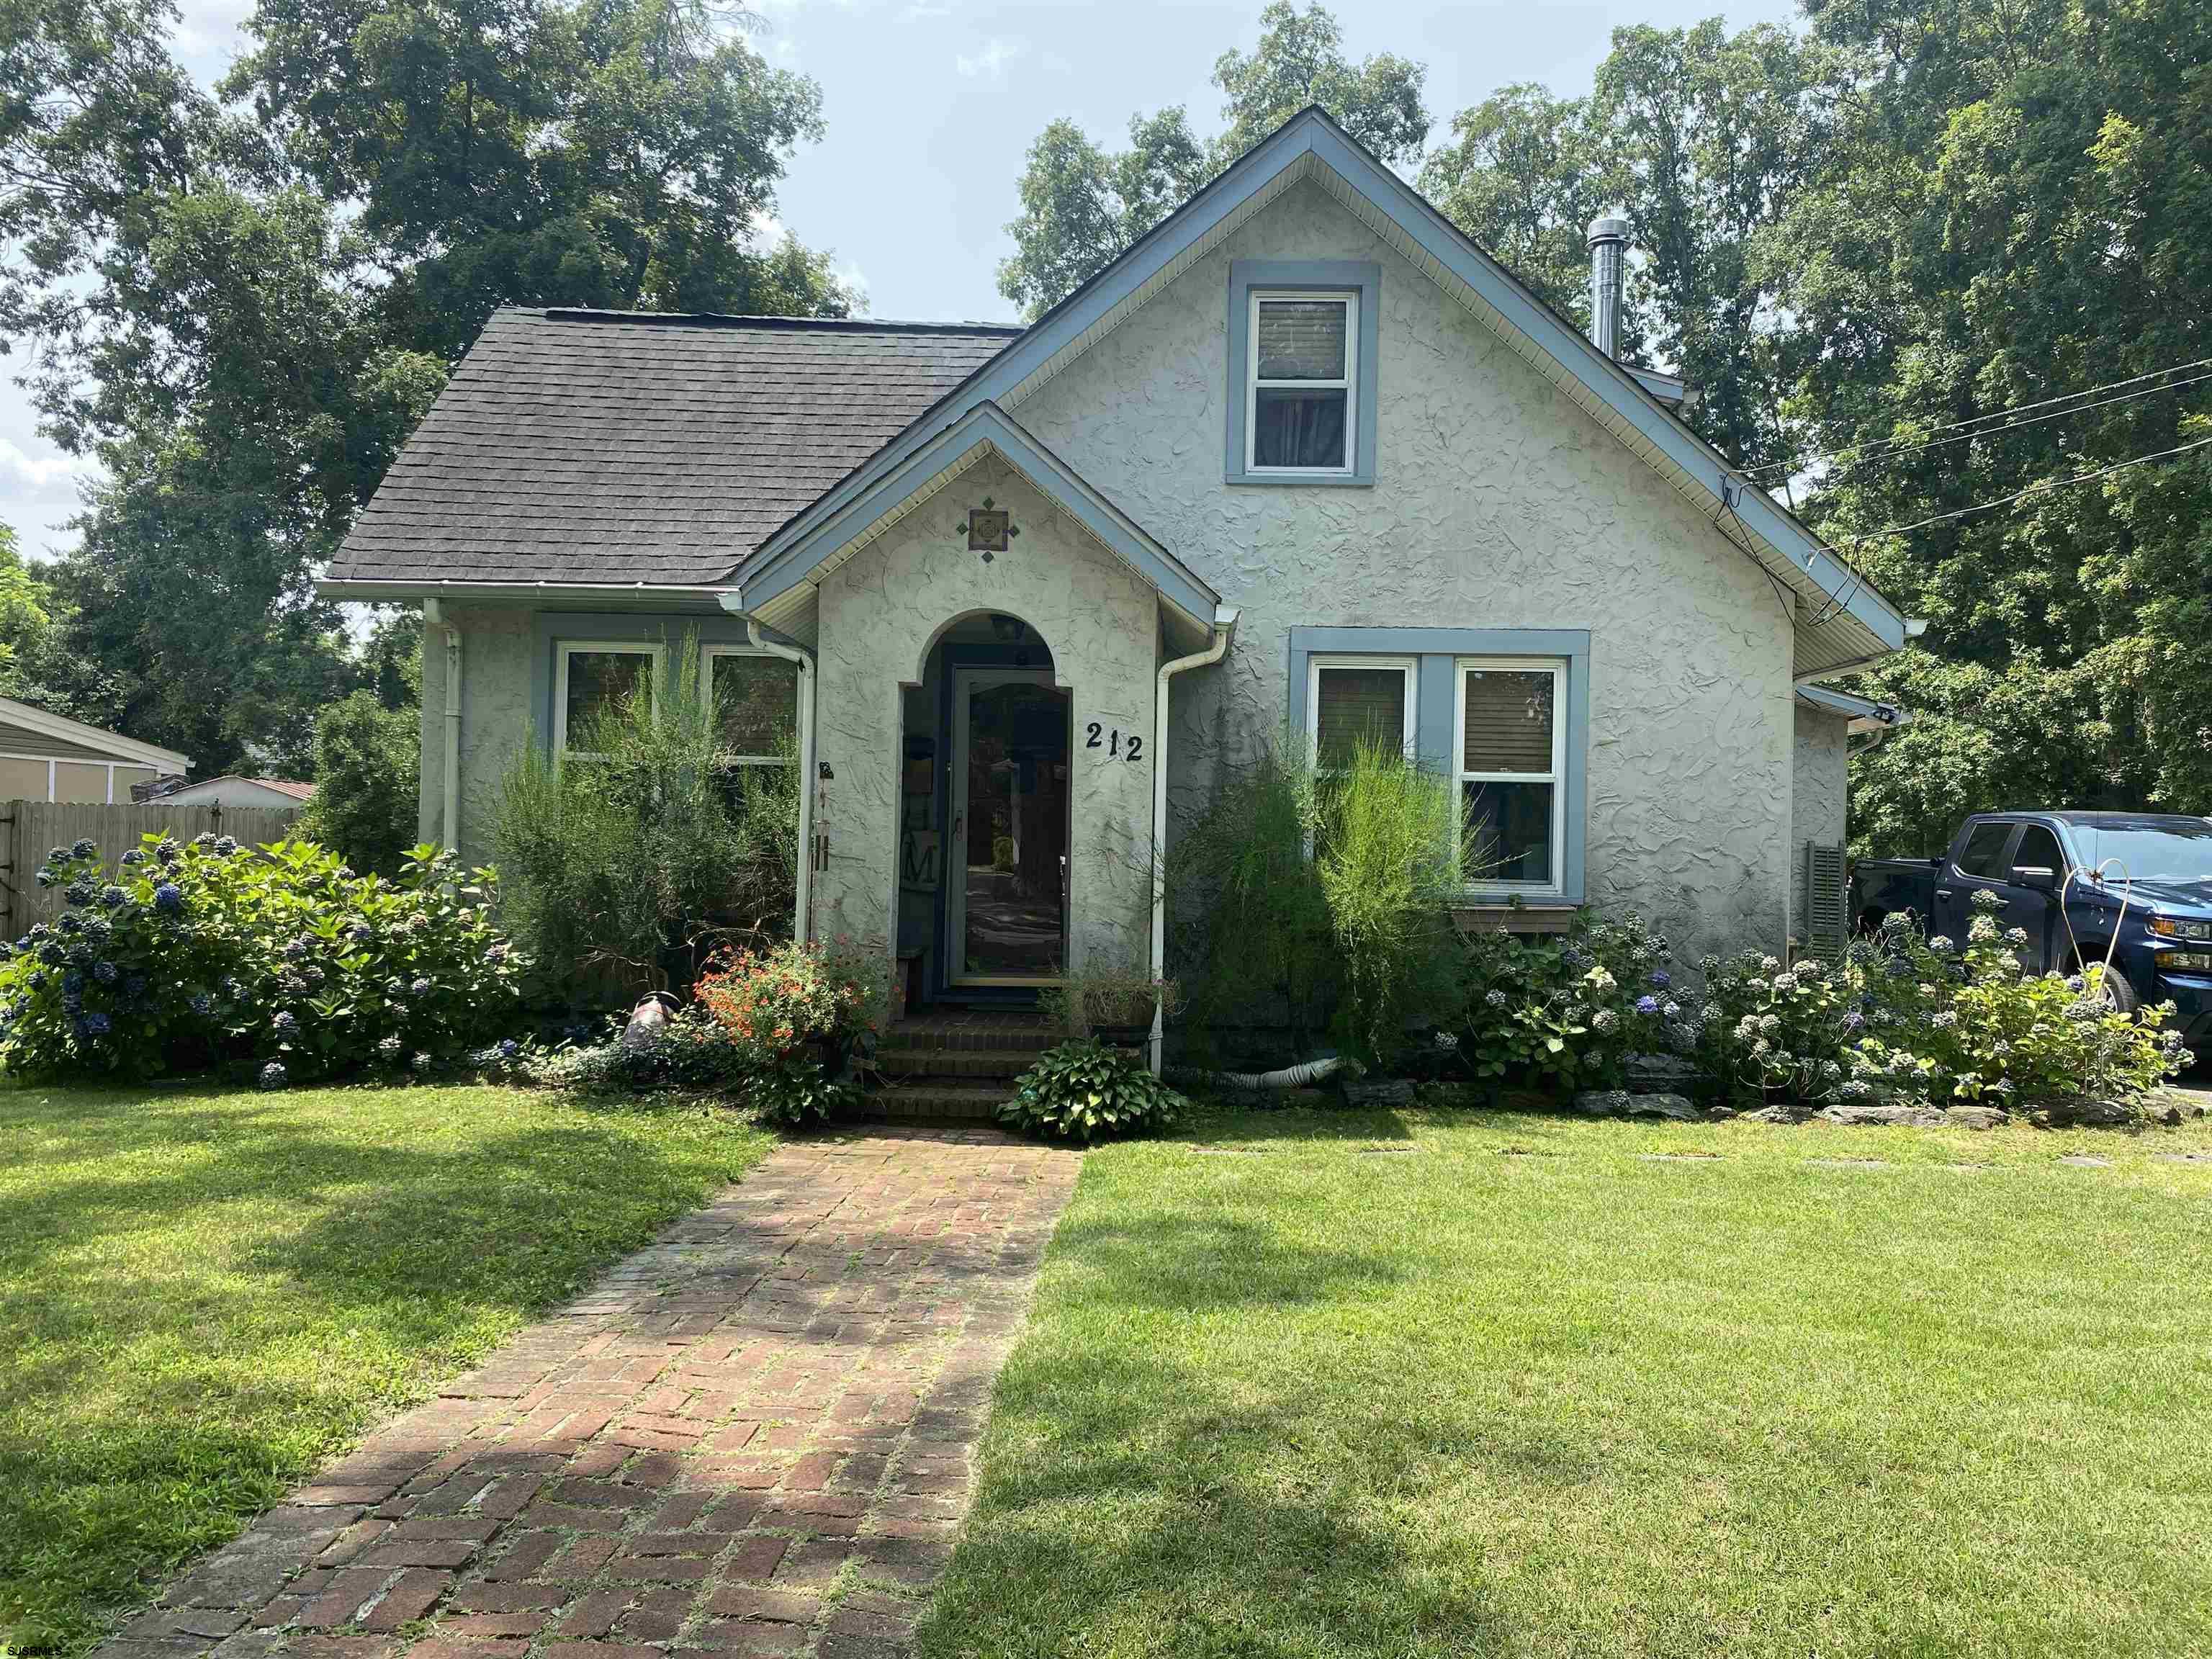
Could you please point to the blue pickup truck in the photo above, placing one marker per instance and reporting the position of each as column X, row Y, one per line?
column 2159, row 864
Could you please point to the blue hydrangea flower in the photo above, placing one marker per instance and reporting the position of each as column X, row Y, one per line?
column 136, row 856
column 509, row 1048
column 73, row 983
column 96, row 1024
column 98, row 928
column 45, row 877
column 80, row 891
column 225, row 845
column 49, row 953
column 169, row 899
column 389, row 1049
column 135, row 986
column 57, row 855
column 288, row 1026
column 1647, row 1004
column 202, row 1004
column 273, row 1075
column 1660, row 978
column 422, row 1062
column 106, row 972
column 170, row 854
column 1854, row 1022
column 204, row 840
column 113, row 898
column 296, row 950
column 421, row 988
column 84, row 848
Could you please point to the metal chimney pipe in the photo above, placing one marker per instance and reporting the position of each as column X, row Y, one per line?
column 1609, row 249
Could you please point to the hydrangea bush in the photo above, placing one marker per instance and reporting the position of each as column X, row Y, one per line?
column 1568, row 1011
column 280, row 961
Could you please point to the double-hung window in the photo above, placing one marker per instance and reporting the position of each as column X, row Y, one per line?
column 755, row 697
column 1301, row 389
column 1510, row 758
column 1357, row 701
column 595, row 678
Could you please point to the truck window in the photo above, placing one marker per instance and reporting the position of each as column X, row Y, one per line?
column 2039, row 849
column 1985, row 851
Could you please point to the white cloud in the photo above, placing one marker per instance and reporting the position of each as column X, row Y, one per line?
column 991, row 62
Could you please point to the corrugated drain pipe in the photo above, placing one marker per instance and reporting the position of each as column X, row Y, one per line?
column 1224, row 627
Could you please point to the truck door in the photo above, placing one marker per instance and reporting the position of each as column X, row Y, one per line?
column 1980, row 863
column 2032, row 908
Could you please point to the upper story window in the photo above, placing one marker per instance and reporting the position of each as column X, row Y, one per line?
column 1301, row 371
column 1302, row 390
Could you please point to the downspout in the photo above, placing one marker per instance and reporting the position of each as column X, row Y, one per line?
column 1225, row 626
column 802, row 902
column 449, row 832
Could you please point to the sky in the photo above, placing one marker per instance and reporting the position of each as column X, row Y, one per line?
column 930, row 104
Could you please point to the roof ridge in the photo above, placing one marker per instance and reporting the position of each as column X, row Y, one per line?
column 737, row 320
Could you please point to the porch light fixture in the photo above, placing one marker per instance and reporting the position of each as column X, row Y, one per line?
column 1008, row 630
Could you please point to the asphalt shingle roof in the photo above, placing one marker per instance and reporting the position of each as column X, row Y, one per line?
column 599, row 446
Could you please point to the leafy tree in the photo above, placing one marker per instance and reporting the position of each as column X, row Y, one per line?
column 26, row 621
column 367, row 774
column 1521, row 177
column 1083, row 206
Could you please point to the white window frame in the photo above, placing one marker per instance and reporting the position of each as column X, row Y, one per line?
column 566, row 648
column 1557, row 777
column 1410, row 667
column 1349, row 384
column 707, row 654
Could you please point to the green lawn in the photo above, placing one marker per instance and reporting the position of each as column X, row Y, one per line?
column 203, row 1295
column 1392, row 1385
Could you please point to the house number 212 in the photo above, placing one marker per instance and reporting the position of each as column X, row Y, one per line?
column 1113, row 742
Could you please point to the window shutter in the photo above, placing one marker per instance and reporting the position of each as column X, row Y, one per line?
column 1823, row 915
column 1357, row 705
column 1509, row 721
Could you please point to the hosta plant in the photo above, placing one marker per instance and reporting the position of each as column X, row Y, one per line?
column 1085, row 1091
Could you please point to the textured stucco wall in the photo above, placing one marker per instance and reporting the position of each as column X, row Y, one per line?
column 1820, row 767
column 496, row 645
column 1497, row 504
column 881, row 612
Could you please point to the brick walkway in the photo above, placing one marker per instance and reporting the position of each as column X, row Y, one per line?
column 752, row 1438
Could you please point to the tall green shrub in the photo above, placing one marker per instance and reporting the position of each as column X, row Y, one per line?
column 645, row 857
column 367, row 774
column 1386, row 845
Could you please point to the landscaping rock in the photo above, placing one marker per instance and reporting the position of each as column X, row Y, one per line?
column 1781, row 1114
column 2091, row 1114
column 1661, row 1075
column 1972, row 1117
column 1917, row 1117
column 1380, row 1092
column 1603, row 1102
column 1672, row 1106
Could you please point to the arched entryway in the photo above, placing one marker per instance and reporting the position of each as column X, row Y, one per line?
column 985, row 872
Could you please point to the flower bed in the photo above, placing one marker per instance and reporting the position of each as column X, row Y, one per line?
column 283, row 963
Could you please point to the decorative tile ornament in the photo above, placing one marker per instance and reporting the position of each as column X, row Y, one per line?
column 989, row 529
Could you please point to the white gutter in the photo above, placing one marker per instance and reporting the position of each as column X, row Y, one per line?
column 1225, row 626
column 802, row 911
column 450, row 800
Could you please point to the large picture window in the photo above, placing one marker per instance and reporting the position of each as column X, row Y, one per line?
column 1300, row 413
column 1510, row 752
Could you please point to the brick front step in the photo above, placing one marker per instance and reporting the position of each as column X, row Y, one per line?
column 955, row 1065
column 929, row 1101
column 960, row 1032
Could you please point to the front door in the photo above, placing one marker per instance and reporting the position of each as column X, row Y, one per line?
column 1006, row 858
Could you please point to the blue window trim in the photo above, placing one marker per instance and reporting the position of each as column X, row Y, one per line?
column 1436, row 652
column 1320, row 277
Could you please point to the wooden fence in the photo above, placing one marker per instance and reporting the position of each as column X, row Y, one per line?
column 29, row 828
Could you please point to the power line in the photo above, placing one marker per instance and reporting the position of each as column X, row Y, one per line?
column 1877, row 451
column 2043, row 489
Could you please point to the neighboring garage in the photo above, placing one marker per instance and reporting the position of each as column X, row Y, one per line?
column 46, row 757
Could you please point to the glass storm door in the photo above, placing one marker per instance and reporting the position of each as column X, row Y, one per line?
column 1006, row 859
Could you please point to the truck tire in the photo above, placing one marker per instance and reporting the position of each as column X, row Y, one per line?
column 2120, row 995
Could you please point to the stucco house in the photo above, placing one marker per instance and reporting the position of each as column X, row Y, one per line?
column 1304, row 460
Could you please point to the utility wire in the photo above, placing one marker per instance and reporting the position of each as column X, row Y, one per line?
column 1877, row 451
column 2043, row 489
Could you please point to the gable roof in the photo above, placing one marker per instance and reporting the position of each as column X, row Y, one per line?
column 986, row 428
column 114, row 744
column 291, row 786
column 1843, row 621
column 616, row 447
